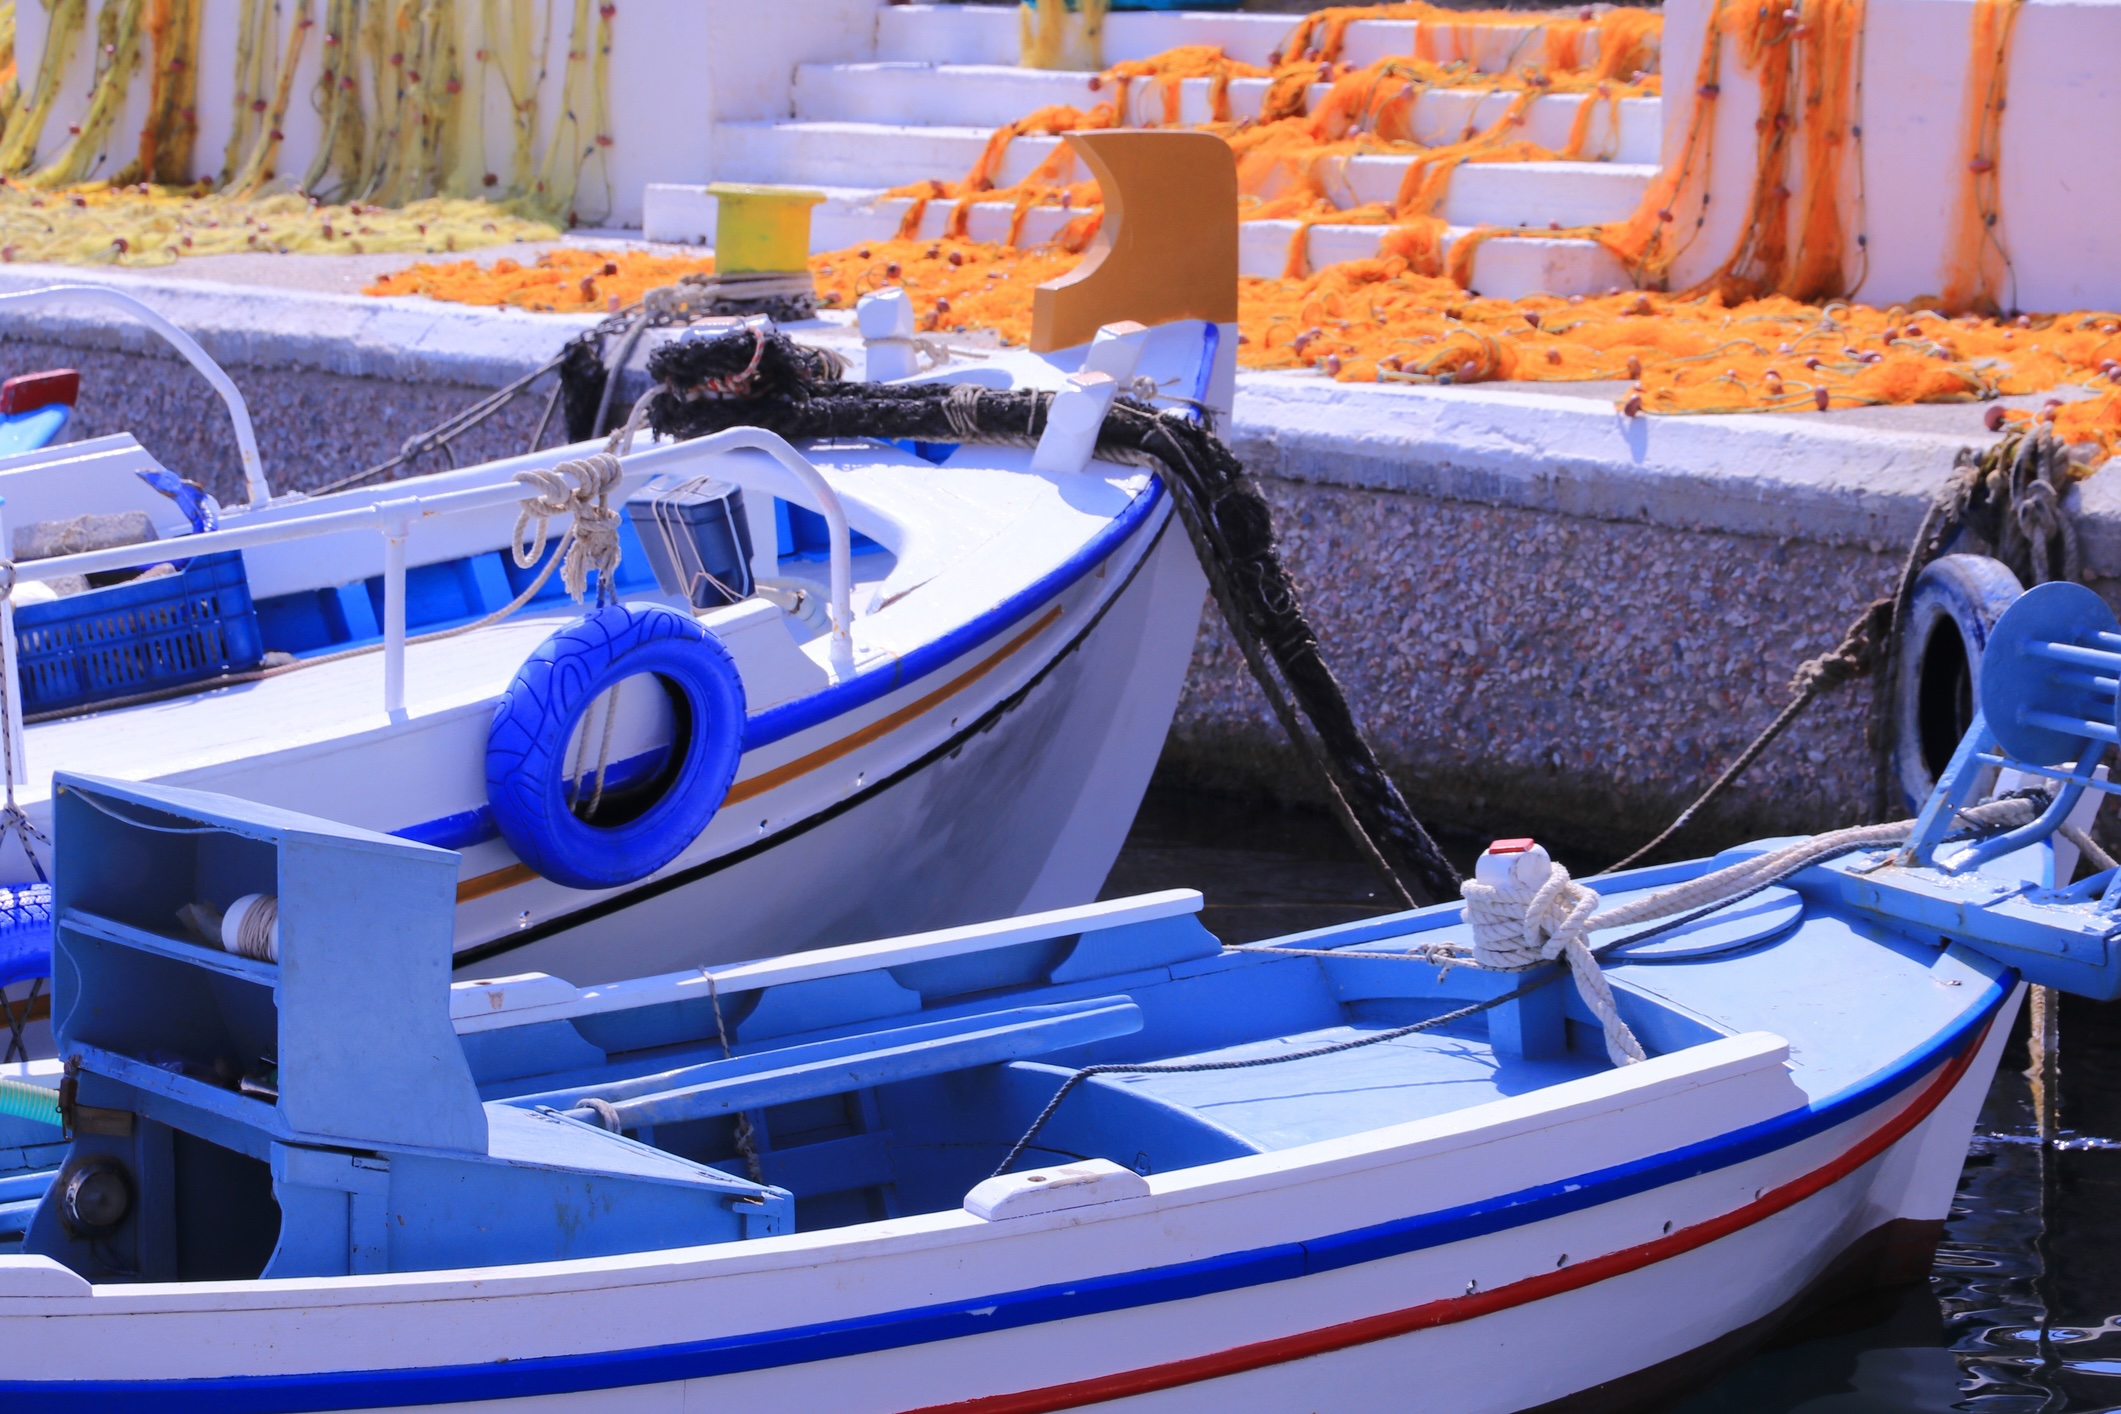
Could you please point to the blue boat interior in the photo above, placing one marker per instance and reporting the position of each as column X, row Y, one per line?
column 319, row 1112
column 449, row 593
column 113, row 641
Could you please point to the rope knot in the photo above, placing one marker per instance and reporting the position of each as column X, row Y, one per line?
column 1524, row 909
column 581, row 490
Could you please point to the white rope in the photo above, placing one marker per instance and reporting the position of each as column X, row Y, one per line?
column 611, row 717
column 251, row 928
column 1528, row 910
column 1748, row 874
column 1531, row 911
column 935, row 351
column 580, row 488
column 621, row 440
column 670, row 528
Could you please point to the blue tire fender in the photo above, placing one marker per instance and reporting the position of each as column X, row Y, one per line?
column 535, row 721
column 25, row 932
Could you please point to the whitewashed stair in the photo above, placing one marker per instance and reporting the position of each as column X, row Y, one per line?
column 945, row 78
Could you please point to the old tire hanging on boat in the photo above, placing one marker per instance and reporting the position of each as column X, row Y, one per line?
column 25, row 933
column 1956, row 600
column 650, row 818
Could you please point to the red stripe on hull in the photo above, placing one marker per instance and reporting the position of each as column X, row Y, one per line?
column 1454, row 1309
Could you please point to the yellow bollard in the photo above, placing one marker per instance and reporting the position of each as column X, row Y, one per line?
column 762, row 230
column 1047, row 40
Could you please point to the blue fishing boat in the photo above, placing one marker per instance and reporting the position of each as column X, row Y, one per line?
column 1556, row 1144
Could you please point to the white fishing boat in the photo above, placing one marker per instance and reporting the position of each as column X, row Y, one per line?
column 1556, row 1148
column 822, row 693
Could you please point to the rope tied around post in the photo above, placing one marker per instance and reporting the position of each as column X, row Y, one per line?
column 579, row 488
column 1525, row 910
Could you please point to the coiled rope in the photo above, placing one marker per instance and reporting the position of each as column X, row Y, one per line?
column 580, row 488
column 256, row 934
column 1538, row 915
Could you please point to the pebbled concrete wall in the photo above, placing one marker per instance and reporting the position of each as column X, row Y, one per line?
column 312, row 426
column 1523, row 671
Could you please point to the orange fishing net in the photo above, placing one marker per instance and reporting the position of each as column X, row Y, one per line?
column 564, row 281
column 1808, row 66
column 1292, row 157
column 1976, row 264
column 1382, row 321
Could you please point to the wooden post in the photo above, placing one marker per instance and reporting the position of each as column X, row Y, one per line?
column 2044, row 1046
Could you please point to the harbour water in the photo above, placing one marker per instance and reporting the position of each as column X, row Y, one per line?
column 2022, row 1311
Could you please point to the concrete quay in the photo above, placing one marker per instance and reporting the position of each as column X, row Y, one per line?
column 1551, row 618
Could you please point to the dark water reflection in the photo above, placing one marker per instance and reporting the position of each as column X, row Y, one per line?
column 2022, row 1312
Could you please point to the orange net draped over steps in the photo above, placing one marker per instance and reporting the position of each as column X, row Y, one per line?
column 1292, row 156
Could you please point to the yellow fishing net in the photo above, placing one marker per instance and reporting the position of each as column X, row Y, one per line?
column 402, row 88
column 95, row 223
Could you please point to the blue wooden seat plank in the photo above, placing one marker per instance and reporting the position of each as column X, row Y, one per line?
column 856, row 1062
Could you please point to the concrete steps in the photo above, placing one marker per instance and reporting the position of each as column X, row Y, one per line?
column 851, row 216
column 912, row 93
column 854, row 157
column 945, row 77
column 987, row 34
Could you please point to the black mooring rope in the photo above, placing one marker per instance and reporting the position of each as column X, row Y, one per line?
column 1228, row 519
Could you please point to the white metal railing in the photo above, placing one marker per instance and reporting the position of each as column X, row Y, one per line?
column 238, row 411
column 396, row 519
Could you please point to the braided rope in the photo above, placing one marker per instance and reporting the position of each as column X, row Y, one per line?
column 579, row 488
column 1539, row 914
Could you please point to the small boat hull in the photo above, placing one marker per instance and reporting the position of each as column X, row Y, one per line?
column 1645, row 1228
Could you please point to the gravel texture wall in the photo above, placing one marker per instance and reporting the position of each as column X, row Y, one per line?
column 313, row 426
column 1527, row 672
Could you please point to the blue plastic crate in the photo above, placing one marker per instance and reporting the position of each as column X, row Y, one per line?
column 179, row 628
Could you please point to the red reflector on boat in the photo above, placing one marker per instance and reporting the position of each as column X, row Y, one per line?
column 29, row 391
column 1511, row 846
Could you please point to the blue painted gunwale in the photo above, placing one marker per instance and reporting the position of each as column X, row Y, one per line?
column 565, row 1374
column 470, row 827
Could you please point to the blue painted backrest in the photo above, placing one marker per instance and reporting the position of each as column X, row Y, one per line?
column 356, row 1013
column 2046, row 703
